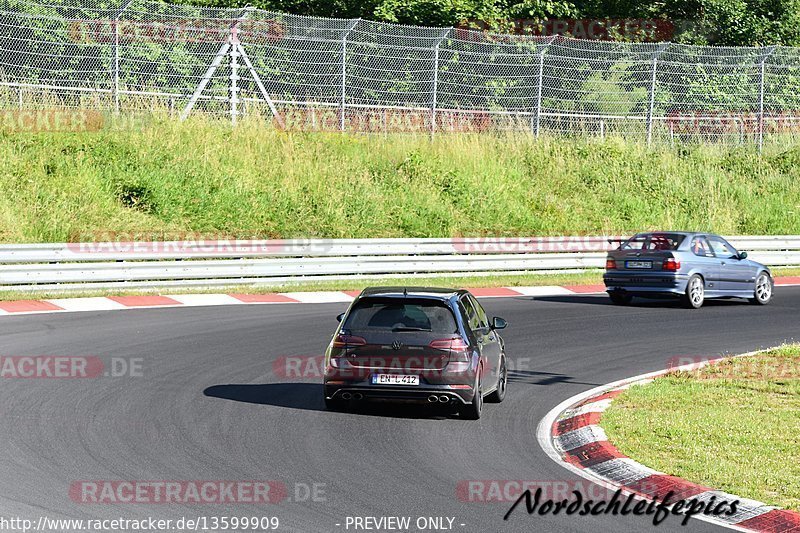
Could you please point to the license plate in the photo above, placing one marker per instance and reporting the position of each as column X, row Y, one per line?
column 394, row 379
column 638, row 264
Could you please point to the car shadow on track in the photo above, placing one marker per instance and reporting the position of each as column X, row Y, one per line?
column 666, row 303
column 531, row 377
column 308, row 397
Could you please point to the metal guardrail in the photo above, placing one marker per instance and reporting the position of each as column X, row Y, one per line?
column 81, row 266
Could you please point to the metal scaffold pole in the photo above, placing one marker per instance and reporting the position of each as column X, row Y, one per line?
column 537, row 114
column 343, row 92
column 652, row 103
column 434, row 99
column 117, row 15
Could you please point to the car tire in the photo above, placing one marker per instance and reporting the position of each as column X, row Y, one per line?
column 695, row 293
column 502, row 381
column 332, row 404
column 620, row 298
column 762, row 294
column 472, row 411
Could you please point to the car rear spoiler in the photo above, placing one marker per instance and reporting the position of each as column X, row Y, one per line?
column 612, row 240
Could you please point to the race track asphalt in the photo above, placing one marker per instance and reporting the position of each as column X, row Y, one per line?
column 209, row 405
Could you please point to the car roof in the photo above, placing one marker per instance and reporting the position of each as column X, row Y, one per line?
column 684, row 233
column 438, row 293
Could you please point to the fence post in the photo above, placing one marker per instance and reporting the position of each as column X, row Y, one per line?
column 117, row 15
column 762, row 75
column 441, row 38
column 343, row 103
column 539, row 84
column 652, row 103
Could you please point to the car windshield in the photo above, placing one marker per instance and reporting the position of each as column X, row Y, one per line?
column 406, row 314
column 653, row 241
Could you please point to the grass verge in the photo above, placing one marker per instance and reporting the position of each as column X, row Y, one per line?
column 734, row 426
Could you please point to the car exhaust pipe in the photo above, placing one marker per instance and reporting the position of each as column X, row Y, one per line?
column 346, row 396
column 358, row 396
column 433, row 398
column 444, row 399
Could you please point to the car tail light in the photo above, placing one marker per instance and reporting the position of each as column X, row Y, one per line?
column 611, row 264
column 343, row 341
column 458, row 348
column 671, row 264
column 456, row 344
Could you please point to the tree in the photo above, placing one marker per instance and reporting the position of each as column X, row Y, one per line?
column 722, row 22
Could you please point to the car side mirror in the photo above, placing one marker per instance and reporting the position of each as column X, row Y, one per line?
column 340, row 317
column 742, row 255
column 499, row 323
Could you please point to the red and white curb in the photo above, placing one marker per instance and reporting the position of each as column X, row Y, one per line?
column 111, row 303
column 570, row 435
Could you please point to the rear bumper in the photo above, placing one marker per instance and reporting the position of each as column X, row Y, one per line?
column 646, row 283
column 418, row 393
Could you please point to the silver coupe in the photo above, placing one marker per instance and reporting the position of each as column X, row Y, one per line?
column 690, row 266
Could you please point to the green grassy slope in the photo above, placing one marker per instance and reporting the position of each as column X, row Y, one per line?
column 166, row 178
column 733, row 426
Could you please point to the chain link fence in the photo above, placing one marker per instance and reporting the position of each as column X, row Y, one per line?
column 317, row 74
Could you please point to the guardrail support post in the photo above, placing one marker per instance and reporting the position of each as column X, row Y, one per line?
column 762, row 75
column 652, row 103
column 343, row 102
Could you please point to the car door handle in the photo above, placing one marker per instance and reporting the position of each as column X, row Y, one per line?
column 724, row 263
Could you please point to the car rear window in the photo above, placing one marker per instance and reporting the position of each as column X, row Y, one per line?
column 653, row 241
column 398, row 314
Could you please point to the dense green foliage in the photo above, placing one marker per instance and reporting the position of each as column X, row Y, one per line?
column 169, row 177
column 724, row 22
